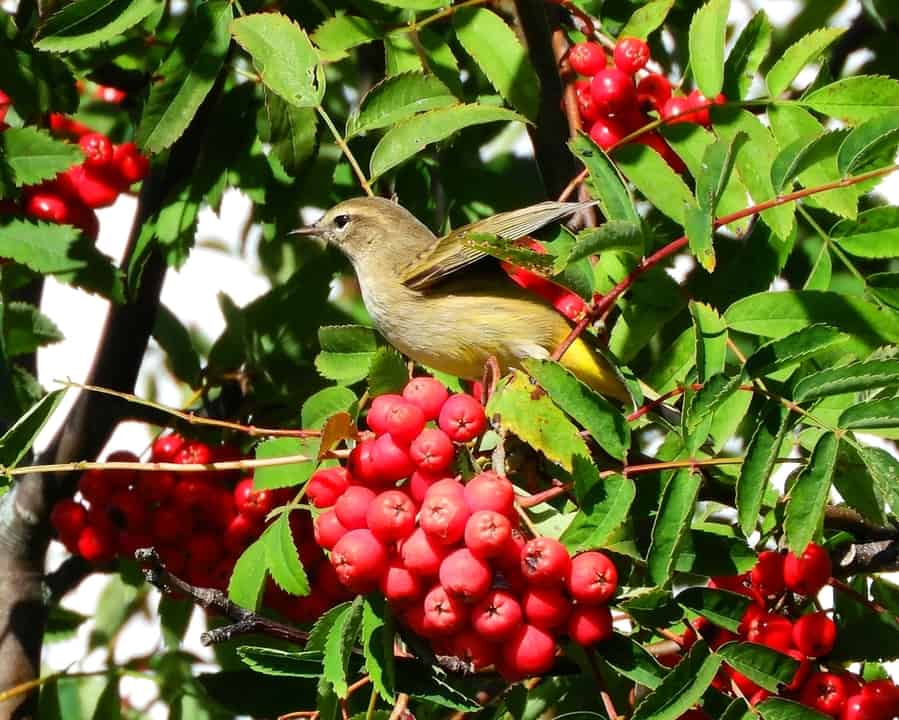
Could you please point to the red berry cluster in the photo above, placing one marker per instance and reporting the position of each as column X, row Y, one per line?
column 73, row 195
column 449, row 556
column 612, row 104
column 807, row 638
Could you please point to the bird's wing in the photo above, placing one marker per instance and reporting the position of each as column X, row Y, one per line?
column 451, row 252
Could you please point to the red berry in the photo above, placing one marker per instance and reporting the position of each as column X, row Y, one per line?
column 545, row 561
column 68, row 518
column 131, row 165
column 253, row 503
column 444, row 614
column 4, row 105
column 447, row 486
column 497, row 615
column 377, row 413
column 422, row 554
column 530, row 651
column 733, row 583
column 240, row 533
column 391, row 459
column 587, row 58
column 631, row 54
column 106, row 93
column 193, row 452
column 653, row 91
column 47, row 205
column 362, row 464
column 767, row 576
column 593, row 579
column 474, row 649
column 155, row 487
column 359, row 559
column 399, row 585
column 587, row 107
column 462, row 418
column 404, row 421
column 886, row 694
column 489, row 491
column 328, row 530
column 802, row 672
column 678, row 109
column 815, row 634
column 94, row 488
column 613, row 90
column 750, row 616
column 465, row 576
column 571, row 305
column 420, row 482
column 128, row 511
column 545, row 607
column 391, row 516
column 824, row 692
column 94, row 186
column 97, row 149
column 772, row 630
column 428, row 394
column 432, row 451
column 487, row 533
column 443, row 516
column 203, row 550
column 607, row 132
column 97, row 544
column 862, row 707
column 352, row 507
column 326, row 485
column 807, row 573
column 589, row 625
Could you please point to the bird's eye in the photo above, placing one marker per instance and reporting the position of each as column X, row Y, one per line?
column 341, row 221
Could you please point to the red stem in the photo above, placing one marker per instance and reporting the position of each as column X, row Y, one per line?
column 650, row 406
column 607, row 301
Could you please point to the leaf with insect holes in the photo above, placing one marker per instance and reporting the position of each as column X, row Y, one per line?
column 706, row 41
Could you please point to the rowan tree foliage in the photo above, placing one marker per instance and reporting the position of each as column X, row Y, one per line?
column 754, row 464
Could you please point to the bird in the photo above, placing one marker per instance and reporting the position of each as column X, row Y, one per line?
column 443, row 303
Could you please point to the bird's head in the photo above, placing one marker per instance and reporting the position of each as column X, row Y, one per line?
column 369, row 227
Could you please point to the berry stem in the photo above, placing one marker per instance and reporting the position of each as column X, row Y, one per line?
column 345, row 149
column 860, row 598
column 607, row 301
column 652, row 405
column 192, row 419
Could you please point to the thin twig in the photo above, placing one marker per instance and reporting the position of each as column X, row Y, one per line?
column 859, row 597
column 345, row 149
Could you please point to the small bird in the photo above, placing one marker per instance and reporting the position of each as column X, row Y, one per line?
column 435, row 301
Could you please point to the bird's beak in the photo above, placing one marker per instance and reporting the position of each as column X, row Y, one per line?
column 308, row 231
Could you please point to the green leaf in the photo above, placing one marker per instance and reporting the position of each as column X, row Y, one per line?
column 175, row 341
column 37, row 82
column 652, row 175
column 283, row 559
column 871, row 415
column 714, row 392
column 347, row 338
column 33, row 155
column 710, row 337
column 767, row 668
column 605, row 182
column 720, row 607
column 322, row 627
column 746, row 56
column 281, row 663
column 17, row 441
column 885, row 286
column 377, row 644
column 856, row 377
column 597, row 415
column 396, row 99
column 873, row 234
column 187, row 75
column 856, row 99
column 604, row 508
column 629, row 658
column 320, row 406
column 759, row 464
column 777, row 314
column 88, row 23
column 346, row 368
column 857, row 485
column 280, row 476
column 672, row 367
column 416, row 4
column 797, row 157
column 809, row 494
column 536, row 420
column 672, row 523
column 283, row 56
column 109, row 704
column 501, row 57
column 388, row 372
column 646, row 18
column 25, row 329
column 339, row 645
column 797, row 56
column 338, row 34
column 884, row 470
column 291, row 131
column 793, row 349
column 682, row 687
column 248, row 577
column 867, row 140
column 614, row 235
column 433, row 685
column 410, row 137
column 781, row 709
column 707, row 30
